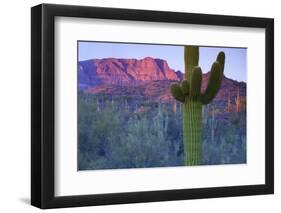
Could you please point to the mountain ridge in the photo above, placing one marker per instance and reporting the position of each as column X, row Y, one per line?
column 147, row 77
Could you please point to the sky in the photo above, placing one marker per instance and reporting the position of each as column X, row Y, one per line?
column 235, row 62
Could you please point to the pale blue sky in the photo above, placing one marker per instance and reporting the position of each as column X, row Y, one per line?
column 235, row 63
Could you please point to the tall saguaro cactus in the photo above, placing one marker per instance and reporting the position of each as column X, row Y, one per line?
column 188, row 92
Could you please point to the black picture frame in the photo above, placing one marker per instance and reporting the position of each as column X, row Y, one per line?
column 43, row 102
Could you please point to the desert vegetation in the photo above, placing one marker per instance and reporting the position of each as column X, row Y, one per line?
column 125, row 132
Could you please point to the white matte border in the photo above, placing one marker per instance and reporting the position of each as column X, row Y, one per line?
column 68, row 181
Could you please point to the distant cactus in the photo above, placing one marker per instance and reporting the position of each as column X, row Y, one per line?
column 214, row 123
column 98, row 105
column 174, row 106
column 189, row 93
column 228, row 108
column 238, row 101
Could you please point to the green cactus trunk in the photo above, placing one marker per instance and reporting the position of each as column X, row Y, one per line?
column 192, row 127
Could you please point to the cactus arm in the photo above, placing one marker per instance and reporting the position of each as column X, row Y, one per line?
column 195, row 83
column 185, row 87
column 221, row 59
column 177, row 93
column 214, row 83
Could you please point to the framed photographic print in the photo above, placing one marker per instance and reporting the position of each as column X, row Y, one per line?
column 139, row 106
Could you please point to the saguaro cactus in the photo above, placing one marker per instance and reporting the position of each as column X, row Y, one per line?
column 188, row 92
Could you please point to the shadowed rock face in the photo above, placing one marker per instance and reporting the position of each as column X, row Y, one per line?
column 147, row 77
